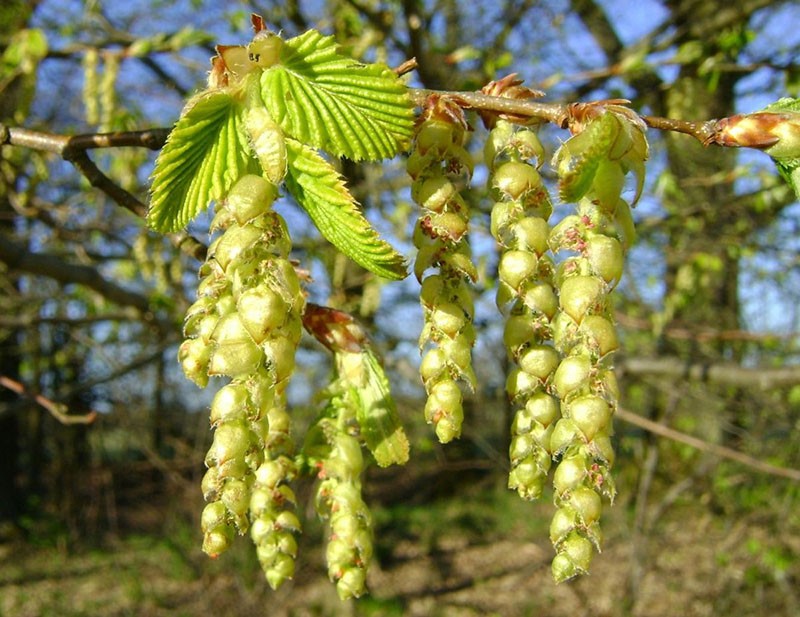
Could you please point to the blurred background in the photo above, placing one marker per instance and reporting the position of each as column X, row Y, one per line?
column 103, row 518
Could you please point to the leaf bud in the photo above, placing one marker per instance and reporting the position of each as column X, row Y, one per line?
column 608, row 183
column 265, row 49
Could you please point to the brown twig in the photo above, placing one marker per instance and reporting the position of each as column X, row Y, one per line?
column 74, row 149
column 57, row 410
column 711, row 448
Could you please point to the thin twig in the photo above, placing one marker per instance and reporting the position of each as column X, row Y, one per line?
column 712, row 448
column 57, row 410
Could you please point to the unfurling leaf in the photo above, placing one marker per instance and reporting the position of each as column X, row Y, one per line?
column 329, row 101
column 775, row 130
column 205, row 154
column 321, row 191
column 375, row 409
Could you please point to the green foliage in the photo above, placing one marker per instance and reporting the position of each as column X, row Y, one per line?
column 329, row 101
column 321, row 191
column 205, row 154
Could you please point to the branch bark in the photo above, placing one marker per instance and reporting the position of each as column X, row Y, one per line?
column 765, row 378
column 712, row 448
column 17, row 257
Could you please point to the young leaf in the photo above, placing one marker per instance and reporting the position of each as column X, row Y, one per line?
column 330, row 101
column 375, row 409
column 206, row 152
column 320, row 190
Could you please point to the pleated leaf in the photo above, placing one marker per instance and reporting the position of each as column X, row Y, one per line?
column 368, row 391
column 206, row 152
column 321, row 191
column 786, row 153
column 329, row 101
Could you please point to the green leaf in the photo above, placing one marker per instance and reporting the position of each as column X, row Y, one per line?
column 790, row 171
column 784, row 104
column 321, row 191
column 329, row 101
column 785, row 153
column 578, row 158
column 375, row 409
column 206, row 152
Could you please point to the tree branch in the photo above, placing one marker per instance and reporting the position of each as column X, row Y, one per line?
column 17, row 257
column 57, row 410
column 765, row 378
column 711, row 448
column 73, row 149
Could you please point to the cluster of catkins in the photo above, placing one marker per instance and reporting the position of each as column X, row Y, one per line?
column 246, row 325
column 339, row 500
column 554, row 284
column 525, row 281
column 439, row 165
column 592, row 167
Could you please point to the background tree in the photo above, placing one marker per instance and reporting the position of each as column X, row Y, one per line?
column 93, row 302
